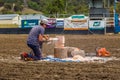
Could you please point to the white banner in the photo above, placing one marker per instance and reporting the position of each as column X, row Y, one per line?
column 75, row 24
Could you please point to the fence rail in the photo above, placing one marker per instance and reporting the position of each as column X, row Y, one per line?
column 54, row 31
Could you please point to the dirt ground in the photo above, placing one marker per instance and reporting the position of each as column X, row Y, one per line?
column 11, row 68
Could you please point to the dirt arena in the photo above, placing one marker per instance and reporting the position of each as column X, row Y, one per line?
column 11, row 68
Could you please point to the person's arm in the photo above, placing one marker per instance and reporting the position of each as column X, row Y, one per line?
column 40, row 37
column 43, row 37
column 46, row 37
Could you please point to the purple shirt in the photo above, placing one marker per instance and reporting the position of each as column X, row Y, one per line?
column 34, row 35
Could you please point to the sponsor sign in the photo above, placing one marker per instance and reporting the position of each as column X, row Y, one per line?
column 96, row 24
column 78, row 16
column 76, row 24
column 60, row 24
column 52, row 23
column 29, row 23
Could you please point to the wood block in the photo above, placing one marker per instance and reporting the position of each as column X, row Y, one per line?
column 70, row 49
column 60, row 52
column 60, row 42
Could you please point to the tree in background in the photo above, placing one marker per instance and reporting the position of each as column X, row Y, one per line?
column 18, row 7
column 11, row 6
column 111, row 9
column 1, row 3
column 33, row 5
column 55, row 7
column 118, row 8
column 51, row 6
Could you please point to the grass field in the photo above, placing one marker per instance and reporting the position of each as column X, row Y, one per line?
column 13, row 69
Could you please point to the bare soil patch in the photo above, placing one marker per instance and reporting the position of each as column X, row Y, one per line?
column 11, row 68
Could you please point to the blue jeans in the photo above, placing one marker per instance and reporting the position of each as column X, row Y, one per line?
column 37, row 52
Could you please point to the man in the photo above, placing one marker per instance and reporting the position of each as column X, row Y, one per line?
column 35, row 39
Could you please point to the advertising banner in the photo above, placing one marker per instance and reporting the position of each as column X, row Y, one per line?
column 60, row 24
column 52, row 22
column 29, row 23
column 75, row 24
column 96, row 24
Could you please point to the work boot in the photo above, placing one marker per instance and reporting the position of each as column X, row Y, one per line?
column 23, row 56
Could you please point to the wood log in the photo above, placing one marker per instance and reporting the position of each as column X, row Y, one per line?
column 60, row 52
column 70, row 49
column 80, row 53
column 60, row 42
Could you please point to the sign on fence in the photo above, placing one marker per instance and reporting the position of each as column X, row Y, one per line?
column 29, row 23
column 52, row 22
column 60, row 23
column 75, row 24
column 96, row 24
